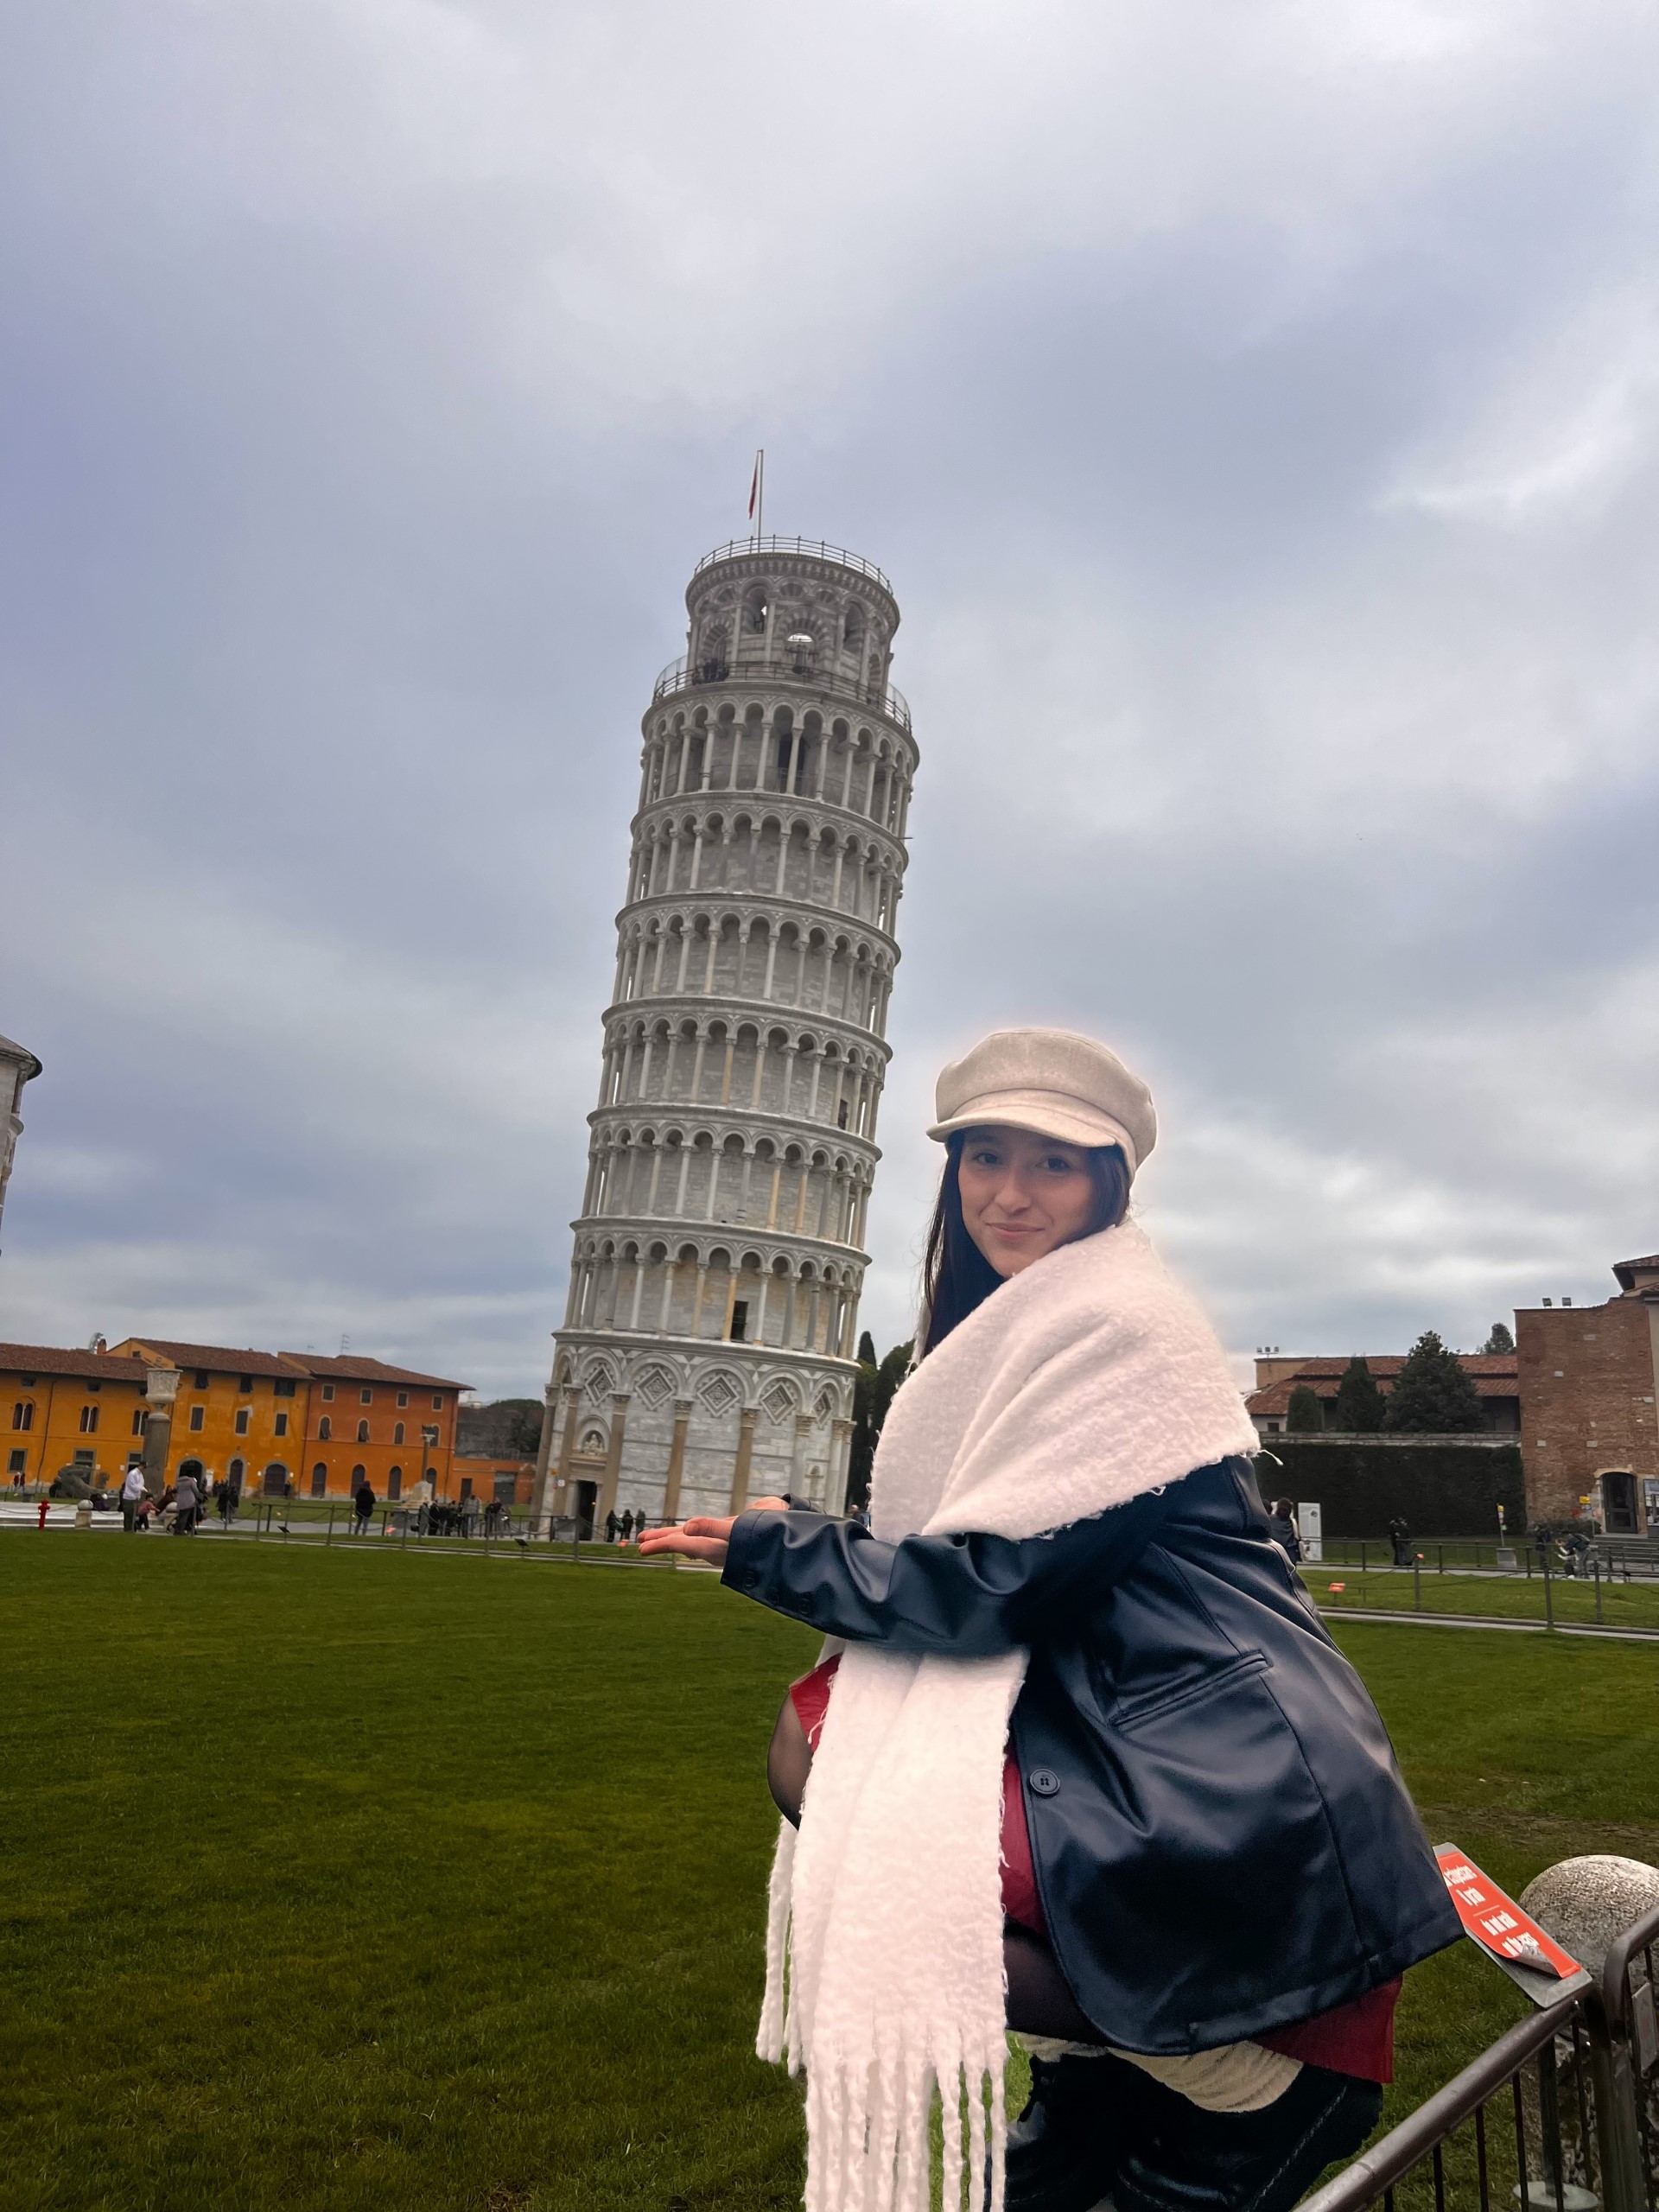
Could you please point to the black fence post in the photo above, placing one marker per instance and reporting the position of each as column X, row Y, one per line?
column 1417, row 1581
column 1549, row 1595
column 329, row 1538
column 1595, row 1568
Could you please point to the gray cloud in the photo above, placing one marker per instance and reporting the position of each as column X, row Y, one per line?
column 1255, row 409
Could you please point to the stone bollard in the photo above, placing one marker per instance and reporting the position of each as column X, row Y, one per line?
column 84, row 1513
column 1583, row 1904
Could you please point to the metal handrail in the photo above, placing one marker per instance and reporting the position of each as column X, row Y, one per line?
column 1640, row 1935
column 789, row 669
column 816, row 548
column 1403, row 2147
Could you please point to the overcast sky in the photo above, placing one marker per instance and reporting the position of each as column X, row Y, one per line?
column 1255, row 407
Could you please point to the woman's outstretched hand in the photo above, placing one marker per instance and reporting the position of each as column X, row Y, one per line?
column 706, row 1536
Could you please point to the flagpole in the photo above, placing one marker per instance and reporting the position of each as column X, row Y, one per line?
column 761, row 510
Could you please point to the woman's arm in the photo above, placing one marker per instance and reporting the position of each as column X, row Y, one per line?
column 969, row 1594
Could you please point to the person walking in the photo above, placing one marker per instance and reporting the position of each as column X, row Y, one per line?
column 628, row 1526
column 613, row 1528
column 132, row 1489
column 1090, row 1734
column 1400, row 1536
column 1281, row 1526
column 362, row 1507
column 186, row 1500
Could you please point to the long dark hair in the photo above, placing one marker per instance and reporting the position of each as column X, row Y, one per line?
column 955, row 1274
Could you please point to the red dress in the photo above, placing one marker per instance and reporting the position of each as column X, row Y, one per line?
column 1356, row 2039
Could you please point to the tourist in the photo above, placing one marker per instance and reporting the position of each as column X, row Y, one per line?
column 613, row 1528
column 225, row 1498
column 363, row 1507
column 132, row 1489
column 1400, row 1537
column 186, row 1502
column 1281, row 1526
column 628, row 1526
column 1212, row 1875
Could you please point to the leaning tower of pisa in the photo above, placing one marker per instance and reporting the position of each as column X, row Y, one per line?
column 707, row 1355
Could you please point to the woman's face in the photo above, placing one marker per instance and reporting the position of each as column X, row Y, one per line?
column 1023, row 1195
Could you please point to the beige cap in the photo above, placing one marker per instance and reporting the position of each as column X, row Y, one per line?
column 1051, row 1080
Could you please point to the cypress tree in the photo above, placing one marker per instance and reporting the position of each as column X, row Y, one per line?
column 1303, row 1415
column 1433, row 1395
column 1359, row 1402
column 1500, row 1339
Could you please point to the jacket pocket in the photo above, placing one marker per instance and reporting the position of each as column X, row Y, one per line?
column 1132, row 1713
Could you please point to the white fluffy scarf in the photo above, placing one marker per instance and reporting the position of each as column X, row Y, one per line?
column 1087, row 1379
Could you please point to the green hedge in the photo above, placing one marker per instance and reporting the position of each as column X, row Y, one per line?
column 1443, row 1489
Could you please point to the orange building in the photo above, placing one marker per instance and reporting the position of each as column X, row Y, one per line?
column 278, row 1424
column 505, row 1482
column 83, row 1409
column 386, row 1423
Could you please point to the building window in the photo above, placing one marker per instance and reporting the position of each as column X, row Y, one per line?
column 196, row 1418
column 283, row 1387
column 89, row 1421
column 241, row 1421
column 402, row 1397
column 86, row 1458
column 94, row 1388
column 394, row 1483
column 140, row 1421
column 319, row 1479
column 362, row 1432
column 202, row 1378
column 28, row 1381
column 466, row 1485
column 325, row 1429
column 397, row 1431
column 279, row 1427
column 22, row 1413
column 357, row 1474
column 365, row 1397
column 244, row 1386
column 328, row 1394
column 740, row 1320
column 18, row 1464
column 437, row 1401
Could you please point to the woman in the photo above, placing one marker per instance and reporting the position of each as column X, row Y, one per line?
column 1089, row 1765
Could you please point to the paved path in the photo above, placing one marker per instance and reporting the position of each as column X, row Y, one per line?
column 1488, row 1620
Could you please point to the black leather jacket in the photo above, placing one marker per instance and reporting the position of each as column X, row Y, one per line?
column 1222, row 1840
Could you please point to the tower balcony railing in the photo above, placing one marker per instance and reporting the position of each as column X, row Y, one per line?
column 735, row 548
column 786, row 666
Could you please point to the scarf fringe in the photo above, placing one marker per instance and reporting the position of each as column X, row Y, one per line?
column 868, row 2134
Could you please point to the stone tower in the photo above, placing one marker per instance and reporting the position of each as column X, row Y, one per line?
column 17, row 1067
column 707, row 1355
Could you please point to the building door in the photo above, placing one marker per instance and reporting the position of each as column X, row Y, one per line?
column 275, row 1480
column 1618, row 1503
column 587, row 1505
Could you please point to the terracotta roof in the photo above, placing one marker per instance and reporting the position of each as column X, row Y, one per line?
column 218, row 1359
column 1494, row 1373
column 49, row 1359
column 1626, row 1270
column 350, row 1369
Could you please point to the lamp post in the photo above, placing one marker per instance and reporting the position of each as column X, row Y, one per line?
column 161, row 1388
column 429, row 1438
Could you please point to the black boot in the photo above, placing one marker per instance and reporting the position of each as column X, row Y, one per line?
column 1188, row 2161
column 1060, row 2148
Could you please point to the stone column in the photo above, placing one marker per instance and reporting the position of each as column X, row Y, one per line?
column 541, row 1511
column 745, row 1453
column 161, row 1388
column 841, row 1446
column 798, row 1460
column 677, row 1460
column 614, row 1456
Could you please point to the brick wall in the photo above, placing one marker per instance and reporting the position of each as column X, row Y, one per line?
column 1587, row 1392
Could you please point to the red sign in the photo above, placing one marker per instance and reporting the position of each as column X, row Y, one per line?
column 1497, row 1923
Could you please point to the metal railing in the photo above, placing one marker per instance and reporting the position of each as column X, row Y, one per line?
column 816, row 548
column 784, row 667
column 1572, row 2126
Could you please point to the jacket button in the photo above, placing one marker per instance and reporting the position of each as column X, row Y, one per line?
column 1045, row 1783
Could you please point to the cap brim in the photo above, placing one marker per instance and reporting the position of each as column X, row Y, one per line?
column 1045, row 1115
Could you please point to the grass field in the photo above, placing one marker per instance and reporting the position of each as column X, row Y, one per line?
column 355, row 1880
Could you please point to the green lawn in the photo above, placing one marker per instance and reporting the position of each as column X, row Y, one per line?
column 350, row 1880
